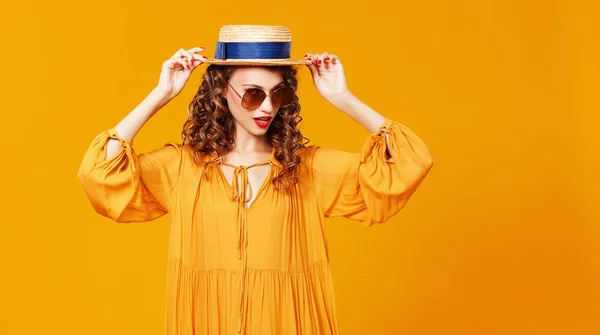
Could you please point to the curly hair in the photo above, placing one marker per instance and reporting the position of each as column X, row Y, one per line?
column 211, row 127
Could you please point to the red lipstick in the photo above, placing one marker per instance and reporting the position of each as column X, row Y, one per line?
column 263, row 121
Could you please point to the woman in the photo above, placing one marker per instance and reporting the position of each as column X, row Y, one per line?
column 247, row 198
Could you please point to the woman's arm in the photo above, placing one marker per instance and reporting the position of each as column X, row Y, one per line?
column 366, row 186
column 134, row 121
column 361, row 113
column 358, row 110
column 173, row 77
column 328, row 76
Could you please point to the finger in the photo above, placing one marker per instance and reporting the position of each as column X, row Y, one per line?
column 182, row 62
column 313, row 70
column 333, row 59
column 188, row 58
column 313, row 58
column 321, row 58
column 308, row 63
column 198, row 59
column 180, row 54
column 175, row 63
column 308, row 58
column 311, row 66
column 195, row 50
column 327, row 62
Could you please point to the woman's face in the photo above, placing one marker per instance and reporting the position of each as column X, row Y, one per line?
column 255, row 121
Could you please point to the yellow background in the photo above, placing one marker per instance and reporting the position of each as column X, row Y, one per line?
column 503, row 237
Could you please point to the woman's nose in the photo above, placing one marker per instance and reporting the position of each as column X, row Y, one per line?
column 267, row 105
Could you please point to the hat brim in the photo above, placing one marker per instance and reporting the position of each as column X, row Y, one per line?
column 263, row 62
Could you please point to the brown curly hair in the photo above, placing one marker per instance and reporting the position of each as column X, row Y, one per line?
column 211, row 127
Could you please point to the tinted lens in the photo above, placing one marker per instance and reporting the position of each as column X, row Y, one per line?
column 283, row 96
column 253, row 98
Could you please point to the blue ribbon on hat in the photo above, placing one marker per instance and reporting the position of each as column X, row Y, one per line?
column 253, row 50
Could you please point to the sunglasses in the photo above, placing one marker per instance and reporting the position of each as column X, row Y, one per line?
column 254, row 97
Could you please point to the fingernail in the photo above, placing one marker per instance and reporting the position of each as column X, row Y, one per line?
column 327, row 58
column 319, row 62
column 309, row 58
column 305, row 55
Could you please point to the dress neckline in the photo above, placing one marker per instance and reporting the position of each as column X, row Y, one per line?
column 213, row 157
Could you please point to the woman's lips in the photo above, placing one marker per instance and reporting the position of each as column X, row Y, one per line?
column 262, row 122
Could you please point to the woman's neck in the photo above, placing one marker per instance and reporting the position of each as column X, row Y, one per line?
column 248, row 143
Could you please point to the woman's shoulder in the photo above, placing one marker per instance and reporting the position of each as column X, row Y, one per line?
column 191, row 155
column 307, row 156
column 320, row 152
column 306, row 153
column 186, row 153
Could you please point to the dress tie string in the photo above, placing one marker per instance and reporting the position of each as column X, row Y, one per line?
column 241, row 193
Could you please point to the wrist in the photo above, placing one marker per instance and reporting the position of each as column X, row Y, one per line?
column 341, row 99
column 160, row 97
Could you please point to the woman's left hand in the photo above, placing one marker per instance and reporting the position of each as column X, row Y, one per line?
column 328, row 75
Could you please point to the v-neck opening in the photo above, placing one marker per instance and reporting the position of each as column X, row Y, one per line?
column 258, row 193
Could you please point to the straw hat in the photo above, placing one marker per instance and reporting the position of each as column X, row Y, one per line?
column 254, row 45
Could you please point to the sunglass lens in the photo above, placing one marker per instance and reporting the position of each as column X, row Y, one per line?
column 282, row 97
column 253, row 98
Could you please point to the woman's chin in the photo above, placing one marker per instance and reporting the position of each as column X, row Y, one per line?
column 257, row 130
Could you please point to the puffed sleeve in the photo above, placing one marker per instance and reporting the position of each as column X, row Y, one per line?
column 368, row 187
column 129, row 187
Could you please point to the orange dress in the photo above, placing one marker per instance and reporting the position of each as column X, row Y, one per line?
column 262, row 269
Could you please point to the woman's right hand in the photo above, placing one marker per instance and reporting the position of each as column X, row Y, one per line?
column 177, row 70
